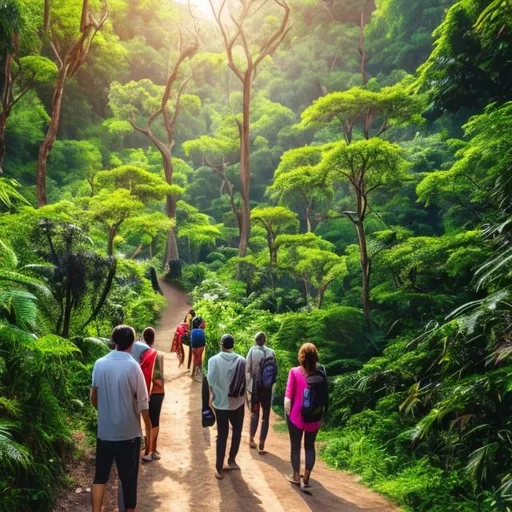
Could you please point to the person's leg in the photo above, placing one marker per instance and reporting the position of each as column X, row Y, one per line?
column 266, row 403
column 155, row 409
column 104, row 459
column 199, row 362
column 309, row 448
column 222, row 438
column 255, row 419
column 189, row 361
column 295, row 441
column 236, row 419
column 127, row 462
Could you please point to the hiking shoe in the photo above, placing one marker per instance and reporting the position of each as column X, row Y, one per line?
column 156, row 456
column 147, row 458
column 233, row 465
column 219, row 475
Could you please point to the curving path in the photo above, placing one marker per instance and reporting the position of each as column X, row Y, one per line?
column 183, row 480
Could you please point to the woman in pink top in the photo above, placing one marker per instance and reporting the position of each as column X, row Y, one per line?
column 308, row 359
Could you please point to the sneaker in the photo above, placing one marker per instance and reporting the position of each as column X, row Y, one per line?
column 147, row 458
column 219, row 475
column 261, row 449
column 156, row 456
column 252, row 444
column 233, row 465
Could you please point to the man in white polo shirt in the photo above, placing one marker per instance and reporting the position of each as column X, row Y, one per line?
column 119, row 393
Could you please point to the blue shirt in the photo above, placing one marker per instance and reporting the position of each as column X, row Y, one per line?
column 122, row 395
column 138, row 348
column 197, row 338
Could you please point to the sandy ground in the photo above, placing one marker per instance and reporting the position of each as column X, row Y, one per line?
column 183, row 480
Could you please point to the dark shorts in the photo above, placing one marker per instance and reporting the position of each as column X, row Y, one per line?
column 127, row 456
column 155, row 408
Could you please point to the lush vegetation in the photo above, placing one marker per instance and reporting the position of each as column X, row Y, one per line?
column 330, row 171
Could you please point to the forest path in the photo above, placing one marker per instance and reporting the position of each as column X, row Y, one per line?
column 183, row 480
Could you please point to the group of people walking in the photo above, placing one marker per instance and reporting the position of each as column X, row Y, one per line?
column 128, row 384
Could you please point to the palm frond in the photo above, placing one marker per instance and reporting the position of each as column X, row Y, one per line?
column 20, row 307
column 12, row 454
column 21, row 279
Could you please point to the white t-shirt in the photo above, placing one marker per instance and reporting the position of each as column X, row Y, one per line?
column 122, row 395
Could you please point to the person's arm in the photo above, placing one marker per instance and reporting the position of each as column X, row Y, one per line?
column 148, row 427
column 210, row 377
column 93, row 393
column 290, row 390
column 142, row 399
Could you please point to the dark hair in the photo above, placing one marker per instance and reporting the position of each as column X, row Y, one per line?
column 260, row 339
column 308, row 357
column 189, row 312
column 227, row 341
column 149, row 335
column 123, row 337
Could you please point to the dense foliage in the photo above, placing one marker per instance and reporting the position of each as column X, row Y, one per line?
column 330, row 171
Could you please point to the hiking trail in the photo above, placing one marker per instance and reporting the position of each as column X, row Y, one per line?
column 183, row 480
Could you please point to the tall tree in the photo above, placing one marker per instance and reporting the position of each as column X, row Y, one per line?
column 366, row 165
column 299, row 178
column 369, row 163
column 276, row 220
column 121, row 97
column 19, row 73
column 70, row 47
column 246, row 75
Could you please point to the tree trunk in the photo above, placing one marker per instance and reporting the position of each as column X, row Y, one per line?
column 3, row 122
column 245, row 168
column 309, row 224
column 50, row 137
column 172, row 253
column 172, row 243
column 366, row 268
column 104, row 295
column 272, row 250
column 362, row 49
column 321, row 295
column 136, row 252
column 5, row 102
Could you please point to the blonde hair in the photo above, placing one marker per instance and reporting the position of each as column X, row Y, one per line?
column 308, row 357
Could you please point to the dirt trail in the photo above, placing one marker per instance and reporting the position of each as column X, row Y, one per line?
column 183, row 480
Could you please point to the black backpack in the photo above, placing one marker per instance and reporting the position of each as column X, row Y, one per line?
column 315, row 400
column 237, row 385
column 267, row 375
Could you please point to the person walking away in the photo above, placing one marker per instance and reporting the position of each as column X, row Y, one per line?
column 177, row 343
column 119, row 393
column 305, row 403
column 226, row 378
column 197, row 345
column 261, row 376
column 156, row 397
column 189, row 318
